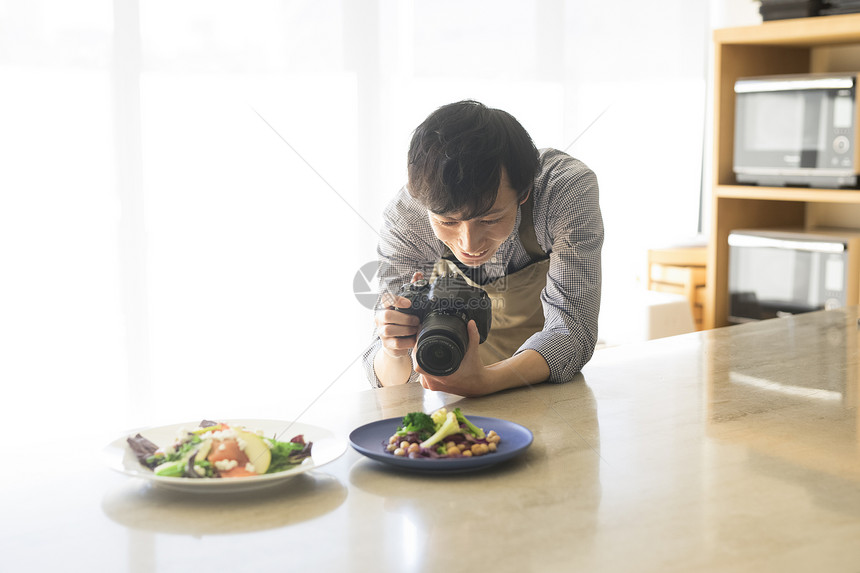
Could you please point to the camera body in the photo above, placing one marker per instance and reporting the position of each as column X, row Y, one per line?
column 445, row 307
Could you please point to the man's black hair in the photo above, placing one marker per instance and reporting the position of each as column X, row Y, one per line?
column 457, row 155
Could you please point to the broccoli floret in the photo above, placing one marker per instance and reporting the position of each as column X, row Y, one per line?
column 439, row 417
column 417, row 422
column 450, row 426
column 473, row 429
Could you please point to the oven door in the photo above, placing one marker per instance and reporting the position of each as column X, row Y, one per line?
column 773, row 276
column 795, row 131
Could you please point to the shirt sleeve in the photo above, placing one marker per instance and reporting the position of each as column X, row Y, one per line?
column 406, row 245
column 569, row 226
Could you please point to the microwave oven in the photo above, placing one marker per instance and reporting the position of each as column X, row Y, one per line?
column 780, row 272
column 797, row 130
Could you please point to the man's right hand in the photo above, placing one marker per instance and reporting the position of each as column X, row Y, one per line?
column 397, row 330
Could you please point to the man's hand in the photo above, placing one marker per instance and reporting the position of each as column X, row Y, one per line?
column 397, row 330
column 474, row 379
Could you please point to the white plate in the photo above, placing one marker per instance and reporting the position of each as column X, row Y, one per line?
column 326, row 448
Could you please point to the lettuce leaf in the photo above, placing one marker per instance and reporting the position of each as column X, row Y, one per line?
column 288, row 454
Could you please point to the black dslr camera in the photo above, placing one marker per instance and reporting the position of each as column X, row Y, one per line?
column 445, row 308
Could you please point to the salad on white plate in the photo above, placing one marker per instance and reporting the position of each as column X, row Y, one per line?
column 217, row 450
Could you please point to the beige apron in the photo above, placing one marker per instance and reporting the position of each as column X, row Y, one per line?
column 517, row 310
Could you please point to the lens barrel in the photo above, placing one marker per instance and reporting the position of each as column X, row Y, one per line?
column 441, row 343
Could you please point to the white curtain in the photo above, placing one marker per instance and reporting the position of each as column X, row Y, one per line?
column 189, row 190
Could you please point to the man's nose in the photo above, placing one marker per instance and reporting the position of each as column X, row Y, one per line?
column 469, row 237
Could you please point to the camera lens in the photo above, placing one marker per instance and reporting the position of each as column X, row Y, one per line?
column 441, row 343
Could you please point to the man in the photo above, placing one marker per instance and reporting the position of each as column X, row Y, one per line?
column 483, row 202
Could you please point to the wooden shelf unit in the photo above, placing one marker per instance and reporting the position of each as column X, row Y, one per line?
column 805, row 45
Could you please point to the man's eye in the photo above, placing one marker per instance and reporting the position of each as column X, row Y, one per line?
column 491, row 221
column 447, row 223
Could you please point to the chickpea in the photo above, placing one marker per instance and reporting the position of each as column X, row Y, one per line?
column 477, row 450
column 449, row 445
column 391, row 447
column 404, row 444
column 467, row 454
column 399, row 452
column 463, row 446
column 413, row 448
column 453, row 451
column 492, row 446
column 393, row 439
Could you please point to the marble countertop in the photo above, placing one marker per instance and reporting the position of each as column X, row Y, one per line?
column 736, row 449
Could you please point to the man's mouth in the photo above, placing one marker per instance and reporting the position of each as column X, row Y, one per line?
column 477, row 255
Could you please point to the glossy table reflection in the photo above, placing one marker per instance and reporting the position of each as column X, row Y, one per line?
column 736, row 449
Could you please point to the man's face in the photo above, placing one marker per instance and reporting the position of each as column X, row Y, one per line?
column 475, row 241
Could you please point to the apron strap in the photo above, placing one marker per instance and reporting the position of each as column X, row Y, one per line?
column 527, row 230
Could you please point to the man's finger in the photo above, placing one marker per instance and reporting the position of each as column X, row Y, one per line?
column 386, row 300
column 474, row 335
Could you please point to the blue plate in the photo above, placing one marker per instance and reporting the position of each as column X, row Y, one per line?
column 370, row 440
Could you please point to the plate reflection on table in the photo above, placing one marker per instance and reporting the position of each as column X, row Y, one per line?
column 138, row 505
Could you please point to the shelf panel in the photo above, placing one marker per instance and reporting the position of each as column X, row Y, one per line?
column 806, row 195
column 818, row 31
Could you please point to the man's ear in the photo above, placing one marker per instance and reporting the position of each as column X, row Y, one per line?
column 526, row 198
